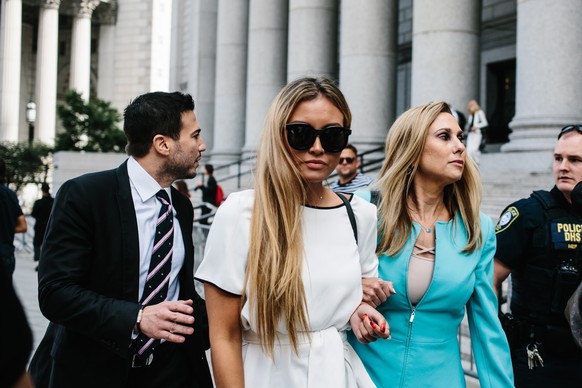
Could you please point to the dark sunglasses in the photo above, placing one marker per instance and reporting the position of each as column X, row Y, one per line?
column 570, row 128
column 347, row 160
column 302, row 136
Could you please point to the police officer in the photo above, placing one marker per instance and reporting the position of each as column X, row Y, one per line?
column 537, row 240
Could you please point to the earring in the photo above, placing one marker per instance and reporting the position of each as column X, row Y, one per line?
column 409, row 170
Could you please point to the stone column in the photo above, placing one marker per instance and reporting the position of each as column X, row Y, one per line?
column 161, row 44
column 548, row 96
column 201, row 81
column 445, row 51
column 106, row 51
column 231, row 71
column 266, row 64
column 10, row 48
column 80, row 79
column 46, row 71
column 313, row 38
column 368, row 66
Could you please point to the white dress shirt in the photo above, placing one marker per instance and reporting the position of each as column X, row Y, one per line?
column 147, row 208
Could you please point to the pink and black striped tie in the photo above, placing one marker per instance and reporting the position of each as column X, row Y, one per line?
column 156, row 286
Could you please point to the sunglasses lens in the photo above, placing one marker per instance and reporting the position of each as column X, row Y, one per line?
column 347, row 160
column 334, row 139
column 300, row 136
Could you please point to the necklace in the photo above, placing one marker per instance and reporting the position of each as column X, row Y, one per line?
column 319, row 199
column 429, row 228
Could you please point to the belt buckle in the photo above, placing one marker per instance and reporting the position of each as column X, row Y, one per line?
column 137, row 363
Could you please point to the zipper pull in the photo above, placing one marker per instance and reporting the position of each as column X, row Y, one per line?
column 412, row 315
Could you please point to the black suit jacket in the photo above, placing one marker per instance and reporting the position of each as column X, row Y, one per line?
column 88, row 281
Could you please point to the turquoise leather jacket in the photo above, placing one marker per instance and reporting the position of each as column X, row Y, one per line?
column 424, row 349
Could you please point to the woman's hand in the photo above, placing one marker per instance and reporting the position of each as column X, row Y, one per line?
column 368, row 324
column 376, row 291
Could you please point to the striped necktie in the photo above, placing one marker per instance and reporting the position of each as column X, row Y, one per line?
column 158, row 278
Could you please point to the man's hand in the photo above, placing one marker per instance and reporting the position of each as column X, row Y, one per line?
column 368, row 324
column 168, row 320
column 376, row 291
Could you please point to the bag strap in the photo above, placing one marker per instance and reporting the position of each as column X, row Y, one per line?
column 351, row 215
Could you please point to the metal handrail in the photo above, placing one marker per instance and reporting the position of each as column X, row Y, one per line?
column 206, row 216
column 240, row 173
column 372, row 164
column 239, row 163
column 367, row 163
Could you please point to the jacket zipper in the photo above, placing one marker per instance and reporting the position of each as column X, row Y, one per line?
column 411, row 319
column 408, row 339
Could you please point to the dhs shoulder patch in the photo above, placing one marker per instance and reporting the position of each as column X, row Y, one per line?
column 506, row 219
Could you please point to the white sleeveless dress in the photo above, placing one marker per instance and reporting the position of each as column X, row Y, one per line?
column 332, row 270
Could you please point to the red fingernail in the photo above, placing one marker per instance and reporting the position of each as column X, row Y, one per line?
column 373, row 325
column 383, row 327
column 364, row 316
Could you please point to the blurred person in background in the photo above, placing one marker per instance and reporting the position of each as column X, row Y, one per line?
column 349, row 178
column 12, row 222
column 41, row 211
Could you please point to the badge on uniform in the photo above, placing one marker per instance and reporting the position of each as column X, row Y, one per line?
column 506, row 219
column 565, row 235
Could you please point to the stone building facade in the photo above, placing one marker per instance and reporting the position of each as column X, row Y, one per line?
column 519, row 58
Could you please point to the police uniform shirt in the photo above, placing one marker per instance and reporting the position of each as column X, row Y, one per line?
column 533, row 247
column 516, row 230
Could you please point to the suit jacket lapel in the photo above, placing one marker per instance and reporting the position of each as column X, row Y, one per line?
column 129, row 235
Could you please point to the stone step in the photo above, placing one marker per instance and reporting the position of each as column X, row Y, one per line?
column 509, row 176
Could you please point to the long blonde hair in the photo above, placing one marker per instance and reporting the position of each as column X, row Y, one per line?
column 404, row 147
column 274, row 270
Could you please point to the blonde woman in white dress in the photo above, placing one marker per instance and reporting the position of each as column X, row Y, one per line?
column 476, row 125
column 282, row 267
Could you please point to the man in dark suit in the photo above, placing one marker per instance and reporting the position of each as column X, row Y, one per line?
column 95, row 272
column 41, row 211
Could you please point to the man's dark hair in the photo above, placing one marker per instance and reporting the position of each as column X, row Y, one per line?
column 45, row 188
column 209, row 169
column 352, row 147
column 151, row 114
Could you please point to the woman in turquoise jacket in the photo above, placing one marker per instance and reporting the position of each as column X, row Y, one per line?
column 437, row 249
